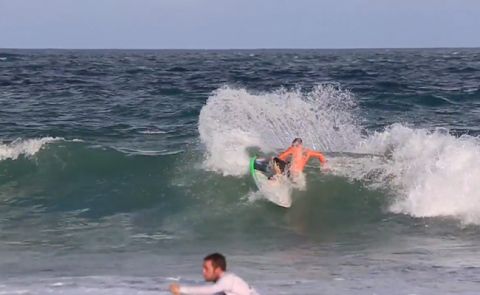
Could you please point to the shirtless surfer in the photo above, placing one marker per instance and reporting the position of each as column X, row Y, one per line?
column 299, row 157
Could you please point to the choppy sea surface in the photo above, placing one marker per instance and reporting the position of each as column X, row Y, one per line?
column 120, row 170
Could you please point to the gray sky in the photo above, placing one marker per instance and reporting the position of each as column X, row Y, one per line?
column 239, row 23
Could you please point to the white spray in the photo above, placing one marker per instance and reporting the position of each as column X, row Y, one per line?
column 235, row 119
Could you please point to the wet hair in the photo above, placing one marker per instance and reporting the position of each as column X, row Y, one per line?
column 297, row 140
column 218, row 260
column 281, row 164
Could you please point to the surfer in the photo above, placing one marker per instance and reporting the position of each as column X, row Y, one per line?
column 299, row 157
column 214, row 270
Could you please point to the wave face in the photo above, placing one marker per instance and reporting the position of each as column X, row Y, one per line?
column 56, row 175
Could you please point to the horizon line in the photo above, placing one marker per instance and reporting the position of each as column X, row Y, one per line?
column 245, row 49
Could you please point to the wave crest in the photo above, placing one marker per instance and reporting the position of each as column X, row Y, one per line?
column 27, row 147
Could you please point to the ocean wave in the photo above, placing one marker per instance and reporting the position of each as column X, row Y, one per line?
column 27, row 147
column 433, row 173
column 420, row 172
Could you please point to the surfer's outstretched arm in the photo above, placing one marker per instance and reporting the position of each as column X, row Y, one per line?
column 318, row 155
column 228, row 284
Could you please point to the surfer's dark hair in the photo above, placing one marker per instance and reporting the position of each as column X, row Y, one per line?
column 218, row 260
column 281, row 164
column 297, row 140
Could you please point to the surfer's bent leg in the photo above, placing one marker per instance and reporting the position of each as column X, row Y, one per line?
column 261, row 165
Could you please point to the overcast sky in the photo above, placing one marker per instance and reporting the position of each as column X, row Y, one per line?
column 209, row 24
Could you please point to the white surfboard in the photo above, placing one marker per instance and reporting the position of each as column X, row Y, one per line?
column 277, row 190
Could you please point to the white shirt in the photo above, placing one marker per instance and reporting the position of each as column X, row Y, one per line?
column 229, row 284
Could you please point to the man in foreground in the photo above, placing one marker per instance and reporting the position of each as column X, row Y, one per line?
column 214, row 270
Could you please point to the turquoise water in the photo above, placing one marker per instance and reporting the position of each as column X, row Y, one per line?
column 120, row 170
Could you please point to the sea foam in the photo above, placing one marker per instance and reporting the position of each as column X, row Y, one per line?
column 27, row 147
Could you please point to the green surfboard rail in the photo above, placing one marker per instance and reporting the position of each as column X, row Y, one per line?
column 252, row 169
